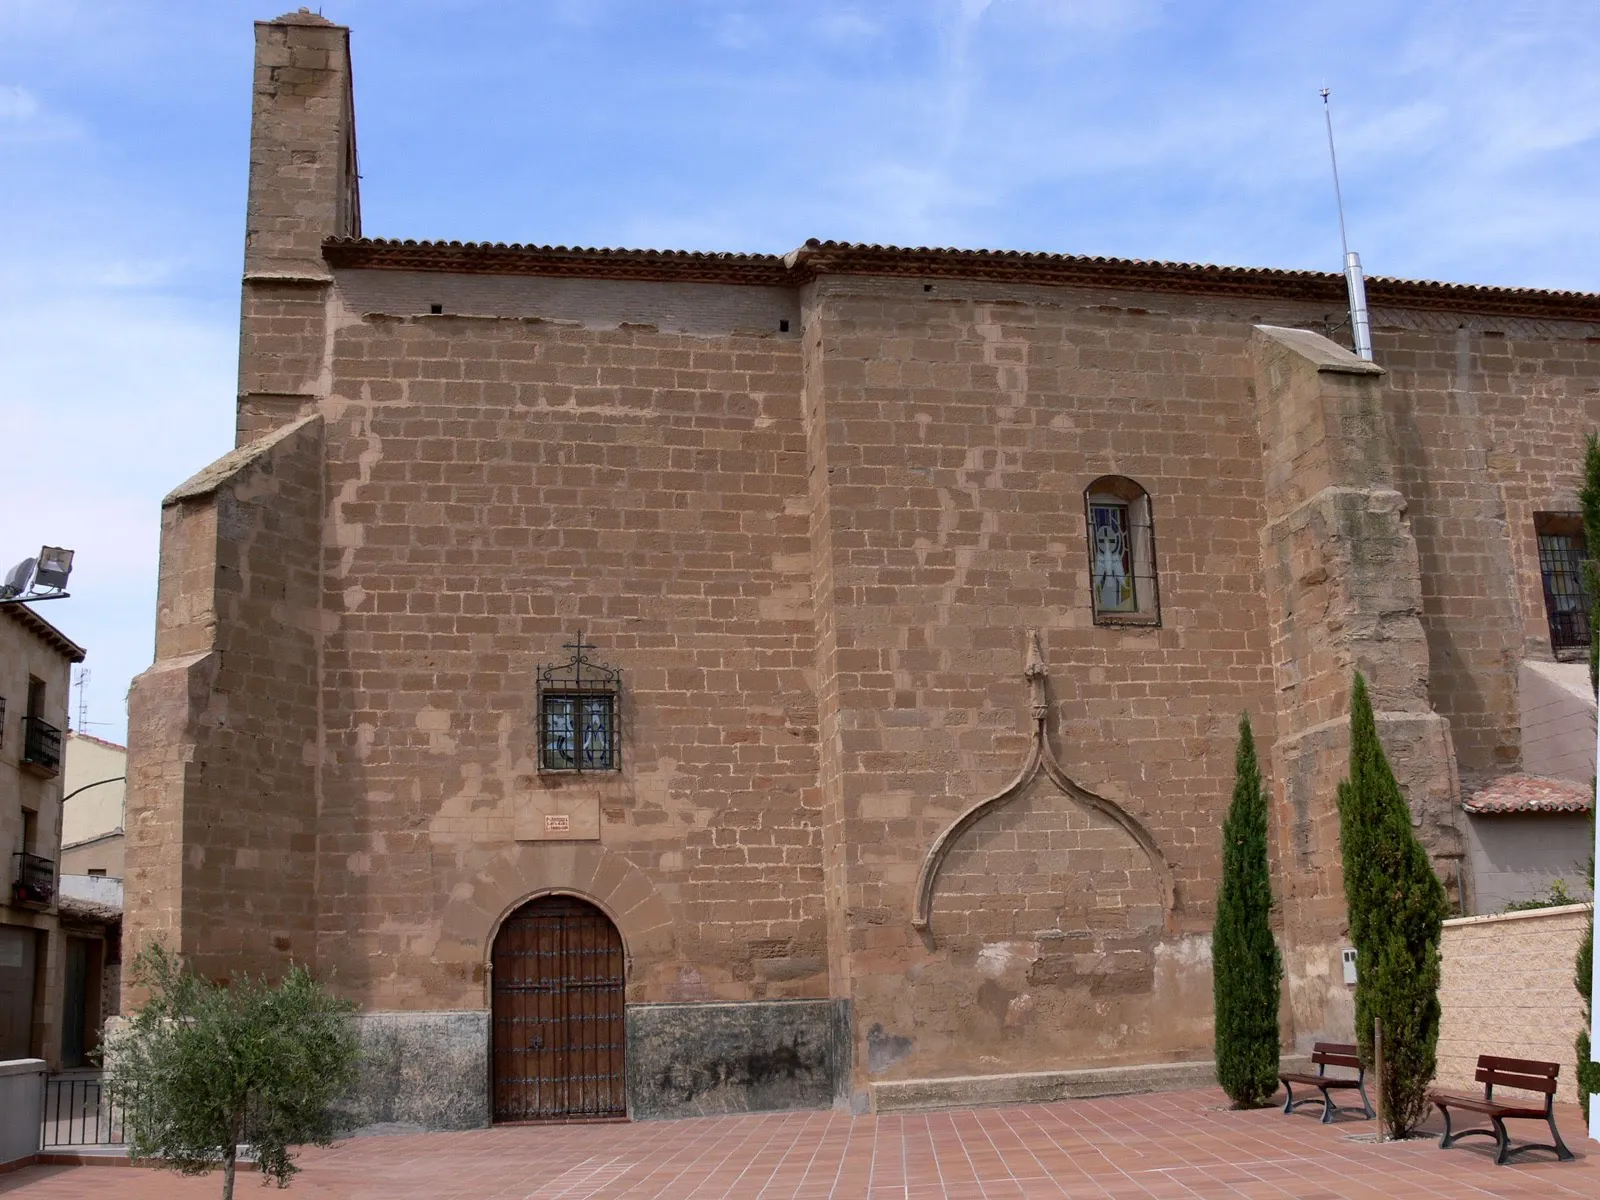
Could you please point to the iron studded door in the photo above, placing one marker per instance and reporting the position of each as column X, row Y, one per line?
column 558, row 1028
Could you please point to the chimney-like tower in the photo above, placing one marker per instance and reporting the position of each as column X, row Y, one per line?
column 303, row 188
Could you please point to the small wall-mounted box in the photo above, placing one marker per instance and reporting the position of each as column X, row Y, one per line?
column 1349, row 957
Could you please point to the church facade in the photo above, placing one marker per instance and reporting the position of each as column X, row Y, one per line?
column 655, row 683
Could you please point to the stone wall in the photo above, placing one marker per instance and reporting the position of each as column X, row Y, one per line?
column 419, row 1071
column 699, row 1059
column 1344, row 587
column 496, row 485
column 1489, row 416
column 223, row 726
column 1506, row 988
column 954, row 429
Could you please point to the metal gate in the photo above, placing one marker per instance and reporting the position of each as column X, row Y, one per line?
column 558, row 1029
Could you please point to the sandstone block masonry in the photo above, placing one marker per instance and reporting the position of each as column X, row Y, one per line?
column 1506, row 988
column 820, row 512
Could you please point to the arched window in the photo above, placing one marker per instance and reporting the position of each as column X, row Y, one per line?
column 1122, row 553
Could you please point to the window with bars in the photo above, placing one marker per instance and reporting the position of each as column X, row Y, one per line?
column 577, row 732
column 579, row 713
column 1562, row 549
column 1122, row 555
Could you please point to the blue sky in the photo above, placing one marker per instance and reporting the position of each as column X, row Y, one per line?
column 1469, row 141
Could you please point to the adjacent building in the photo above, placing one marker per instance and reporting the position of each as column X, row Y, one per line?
column 655, row 682
column 93, row 776
column 93, row 783
column 36, row 662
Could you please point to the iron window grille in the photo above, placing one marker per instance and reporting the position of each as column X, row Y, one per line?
column 1124, row 589
column 34, row 882
column 1562, row 550
column 41, row 745
column 580, row 714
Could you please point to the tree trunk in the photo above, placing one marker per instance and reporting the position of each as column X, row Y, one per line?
column 228, row 1158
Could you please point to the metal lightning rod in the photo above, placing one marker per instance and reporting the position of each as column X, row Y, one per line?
column 1355, row 281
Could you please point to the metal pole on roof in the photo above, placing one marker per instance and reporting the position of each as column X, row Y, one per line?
column 1354, row 280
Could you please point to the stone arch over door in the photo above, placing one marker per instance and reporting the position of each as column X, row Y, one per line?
column 479, row 904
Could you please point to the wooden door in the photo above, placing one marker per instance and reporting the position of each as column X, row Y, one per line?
column 558, row 1029
column 75, row 1005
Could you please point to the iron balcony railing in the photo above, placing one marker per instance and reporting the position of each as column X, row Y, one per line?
column 34, row 880
column 79, row 1112
column 41, row 745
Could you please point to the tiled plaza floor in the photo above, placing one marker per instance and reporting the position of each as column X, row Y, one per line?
column 1174, row 1144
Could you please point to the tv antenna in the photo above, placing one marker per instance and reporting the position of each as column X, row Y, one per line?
column 82, row 682
column 1354, row 280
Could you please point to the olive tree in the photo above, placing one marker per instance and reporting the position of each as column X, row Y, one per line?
column 203, row 1069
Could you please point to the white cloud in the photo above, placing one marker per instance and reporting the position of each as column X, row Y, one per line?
column 16, row 103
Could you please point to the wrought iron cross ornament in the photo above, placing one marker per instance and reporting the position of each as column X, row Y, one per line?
column 578, row 713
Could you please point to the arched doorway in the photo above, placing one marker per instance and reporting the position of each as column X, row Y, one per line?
column 557, row 1045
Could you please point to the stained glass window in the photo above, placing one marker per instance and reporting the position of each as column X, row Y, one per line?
column 1123, row 588
column 579, row 713
column 577, row 733
column 1113, row 558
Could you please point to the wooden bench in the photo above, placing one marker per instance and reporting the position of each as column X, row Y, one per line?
column 1325, row 1055
column 1527, row 1074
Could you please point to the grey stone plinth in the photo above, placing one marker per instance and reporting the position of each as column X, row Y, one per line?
column 758, row 1056
column 420, row 1071
column 1036, row 1087
column 21, row 1098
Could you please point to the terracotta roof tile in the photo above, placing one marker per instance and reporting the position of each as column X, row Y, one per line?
column 99, row 741
column 857, row 258
column 1530, row 793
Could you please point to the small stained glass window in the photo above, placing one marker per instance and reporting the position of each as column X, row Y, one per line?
column 1113, row 558
column 578, row 714
column 1123, row 588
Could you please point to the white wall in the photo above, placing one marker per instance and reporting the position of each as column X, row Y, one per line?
column 99, row 810
column 1517, row 856
column 1557, row 711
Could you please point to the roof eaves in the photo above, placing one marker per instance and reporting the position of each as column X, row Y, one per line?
column 816, row 258
column 44, row 631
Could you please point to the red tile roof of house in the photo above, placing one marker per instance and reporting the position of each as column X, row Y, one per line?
column 99, row 741
column 1530, row 793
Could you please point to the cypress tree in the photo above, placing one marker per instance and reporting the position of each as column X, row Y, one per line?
column 1588, row 1075
column 1245, row 967
column 1589, row 504
column 1397, row 908
column 1588, row 1070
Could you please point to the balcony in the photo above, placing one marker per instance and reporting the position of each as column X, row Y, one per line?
column 34, row 881
column 41, row 747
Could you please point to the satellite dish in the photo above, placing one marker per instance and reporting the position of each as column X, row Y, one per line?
column 17, row 579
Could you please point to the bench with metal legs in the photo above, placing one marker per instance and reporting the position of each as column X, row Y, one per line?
column 1527, row 1074
column 1325, row 1055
